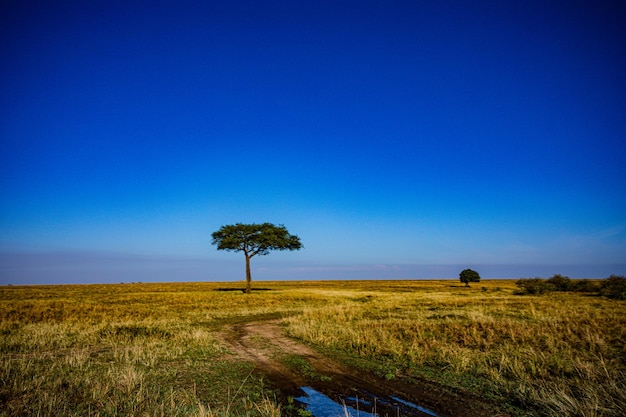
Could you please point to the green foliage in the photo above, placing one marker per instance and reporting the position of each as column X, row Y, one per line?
column 532, row 286
column 560, row 283
column 614, row 287
column 304, row 412
column 304, row 367
column 468, row 275
column 255, row 239
column 585, row 285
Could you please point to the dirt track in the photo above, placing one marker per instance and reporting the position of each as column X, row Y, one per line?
column 263, row 343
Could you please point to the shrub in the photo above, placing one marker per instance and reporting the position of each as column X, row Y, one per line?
column 614, row 287
column 585, row 285
column 560, row 283
column 532, row 286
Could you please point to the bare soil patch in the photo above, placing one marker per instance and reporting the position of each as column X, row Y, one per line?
column 264, row 344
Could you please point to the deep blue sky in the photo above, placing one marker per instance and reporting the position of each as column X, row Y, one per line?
column 398, row 139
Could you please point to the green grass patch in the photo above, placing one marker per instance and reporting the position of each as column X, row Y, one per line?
column 303, row 367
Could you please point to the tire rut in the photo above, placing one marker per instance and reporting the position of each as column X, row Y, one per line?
column 264, row 344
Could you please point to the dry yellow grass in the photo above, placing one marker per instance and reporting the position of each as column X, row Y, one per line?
column 127, row 350
column 149, row 349
column 560, row 355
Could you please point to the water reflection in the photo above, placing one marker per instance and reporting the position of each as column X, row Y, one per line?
column 320, row 405
column 415, row 406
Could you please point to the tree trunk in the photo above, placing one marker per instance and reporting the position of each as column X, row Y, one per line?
column 248, row 275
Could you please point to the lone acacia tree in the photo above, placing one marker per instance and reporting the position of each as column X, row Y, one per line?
column 254, row 239
column 469, row 275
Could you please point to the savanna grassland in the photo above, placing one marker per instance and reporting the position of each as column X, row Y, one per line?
column 154, row 350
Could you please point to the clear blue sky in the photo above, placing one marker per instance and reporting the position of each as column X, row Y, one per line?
column 398, row 139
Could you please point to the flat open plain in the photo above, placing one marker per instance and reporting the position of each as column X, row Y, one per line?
column 181, row 349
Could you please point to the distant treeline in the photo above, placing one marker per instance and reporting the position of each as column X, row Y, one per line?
column 613, row 287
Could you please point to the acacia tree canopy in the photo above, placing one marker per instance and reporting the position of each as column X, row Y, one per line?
column 254, row 239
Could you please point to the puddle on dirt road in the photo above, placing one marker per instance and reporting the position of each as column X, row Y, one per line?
column 322, row 406
column 362, row 405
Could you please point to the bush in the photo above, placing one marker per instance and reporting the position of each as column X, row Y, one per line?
column 560, row 283
column 614, row 287
column 584, row 285
column 532, row 286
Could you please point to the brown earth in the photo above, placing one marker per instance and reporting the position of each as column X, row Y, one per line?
column 264, row 344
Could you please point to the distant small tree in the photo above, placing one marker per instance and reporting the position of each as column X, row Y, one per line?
column 469, row 275
column 254, row 239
